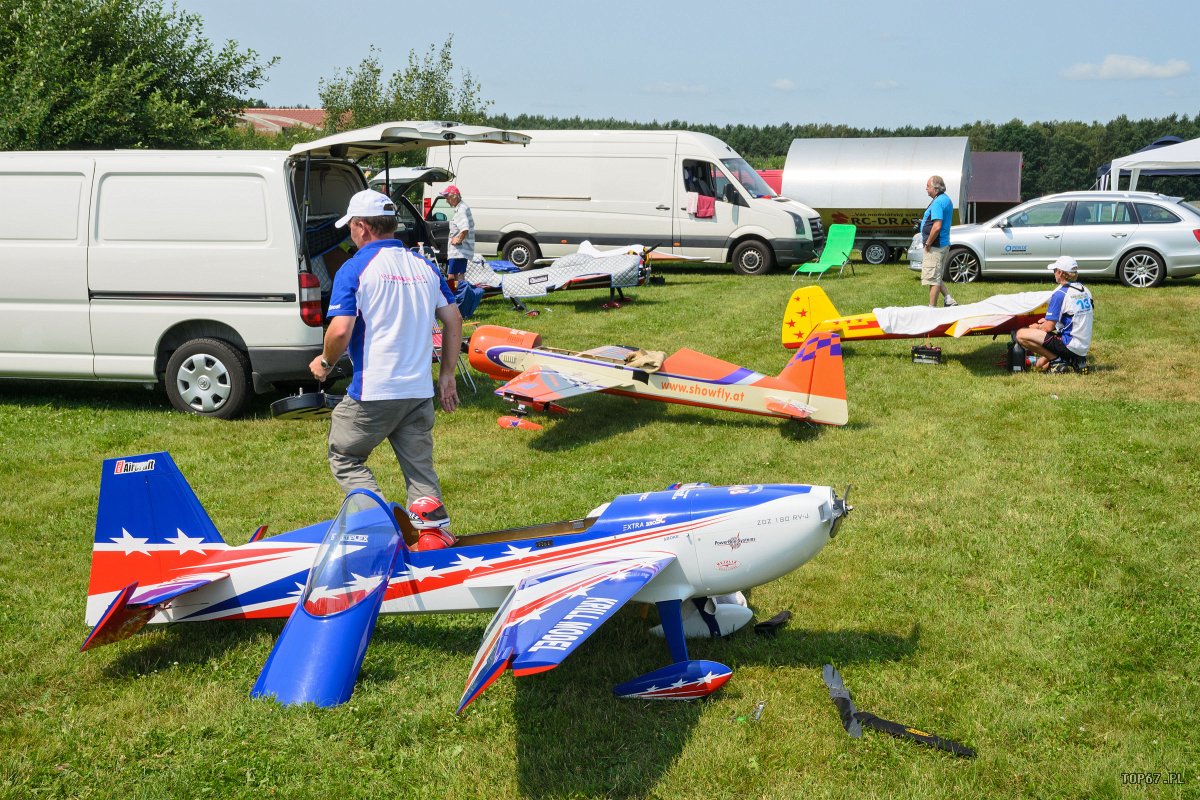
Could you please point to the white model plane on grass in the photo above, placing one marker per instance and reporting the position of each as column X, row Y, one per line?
column 157, row 559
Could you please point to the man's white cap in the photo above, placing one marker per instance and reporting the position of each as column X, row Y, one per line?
column 367, row 203
column 1065, row 263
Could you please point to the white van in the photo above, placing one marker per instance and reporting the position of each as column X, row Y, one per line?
column 186, row 268
column 687, row 192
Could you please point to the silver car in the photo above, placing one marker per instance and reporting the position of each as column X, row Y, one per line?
column 1140, row 238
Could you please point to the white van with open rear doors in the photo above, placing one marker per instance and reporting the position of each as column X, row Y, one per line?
column 202, row 271
column 689, row 193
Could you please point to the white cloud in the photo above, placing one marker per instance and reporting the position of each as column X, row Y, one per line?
column 784, row 85
column 666, row 87
column 1118, row 67
column 888, row 84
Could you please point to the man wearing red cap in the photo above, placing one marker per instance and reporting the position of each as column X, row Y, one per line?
column 461, row 245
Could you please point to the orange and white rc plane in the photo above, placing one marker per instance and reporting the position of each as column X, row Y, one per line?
column 811, row 387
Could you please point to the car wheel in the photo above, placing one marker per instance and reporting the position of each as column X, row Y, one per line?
column 521, row 252
column 209, row 377
column 876, row 253
column 752, row 258
column 962, row 266
column 1142, row 269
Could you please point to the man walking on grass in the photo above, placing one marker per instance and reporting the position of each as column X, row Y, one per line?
column 384, row 302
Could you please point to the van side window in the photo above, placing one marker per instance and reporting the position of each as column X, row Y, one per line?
column 699, row 177
column 40, row 207
column 164, row 207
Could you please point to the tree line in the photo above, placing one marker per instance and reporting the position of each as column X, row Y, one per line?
column 102, row 74
column 1058, row 156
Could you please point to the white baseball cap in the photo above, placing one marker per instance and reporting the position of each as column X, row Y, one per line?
column 367, row 203
column 1065, row 263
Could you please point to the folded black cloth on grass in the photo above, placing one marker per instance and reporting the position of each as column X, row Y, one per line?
column 853, row 720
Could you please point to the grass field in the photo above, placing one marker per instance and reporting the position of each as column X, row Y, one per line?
column 1020, row 574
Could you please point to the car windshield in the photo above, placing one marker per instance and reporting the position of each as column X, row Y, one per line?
column 1190, row 207
column 750, row 180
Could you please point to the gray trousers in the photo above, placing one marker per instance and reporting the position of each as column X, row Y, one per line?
column 358, row 427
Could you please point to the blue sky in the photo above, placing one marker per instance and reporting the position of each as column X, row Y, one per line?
column 864, row 63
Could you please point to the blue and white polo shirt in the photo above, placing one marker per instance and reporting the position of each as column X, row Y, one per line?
column 394, row 294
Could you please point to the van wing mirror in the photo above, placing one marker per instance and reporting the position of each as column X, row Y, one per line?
column 732, row 195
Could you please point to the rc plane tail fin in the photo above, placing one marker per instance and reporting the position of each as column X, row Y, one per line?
column 808, row 307
column 816, row 369
column 149, row 522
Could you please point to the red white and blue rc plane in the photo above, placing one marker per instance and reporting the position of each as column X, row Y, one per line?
column 157, row 558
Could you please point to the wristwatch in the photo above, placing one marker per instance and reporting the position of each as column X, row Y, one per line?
column 325, row 362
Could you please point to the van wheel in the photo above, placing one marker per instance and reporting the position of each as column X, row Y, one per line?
column 521, row 252
column 752, row 258
column 208, row 377
column 876, row 252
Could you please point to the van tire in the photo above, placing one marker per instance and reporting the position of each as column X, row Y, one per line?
column 208, row 377
column 752, row 258
column 521, row 252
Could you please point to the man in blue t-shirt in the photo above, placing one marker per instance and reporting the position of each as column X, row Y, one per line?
column 1064, row 335
column 935, row 234
column 382, row 311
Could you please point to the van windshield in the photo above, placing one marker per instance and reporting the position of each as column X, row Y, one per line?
column 750, row 180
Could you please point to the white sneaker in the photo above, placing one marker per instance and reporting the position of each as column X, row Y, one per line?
column 950, row 301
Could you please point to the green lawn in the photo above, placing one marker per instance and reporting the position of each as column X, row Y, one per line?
column 1019, row 574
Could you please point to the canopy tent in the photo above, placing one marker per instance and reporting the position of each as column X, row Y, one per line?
column 1175, row 159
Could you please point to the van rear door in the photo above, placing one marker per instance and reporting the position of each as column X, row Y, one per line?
column 44, row 201
column 391, row 138
column 402, row 137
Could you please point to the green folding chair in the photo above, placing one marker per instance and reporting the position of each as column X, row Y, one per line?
column 838, row 244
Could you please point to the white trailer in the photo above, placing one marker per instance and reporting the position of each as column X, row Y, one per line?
column 877, row 184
